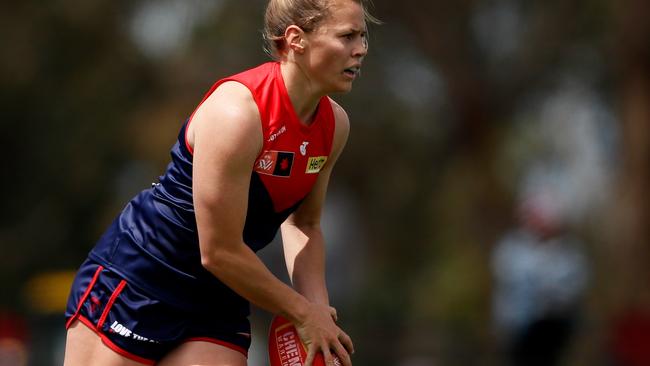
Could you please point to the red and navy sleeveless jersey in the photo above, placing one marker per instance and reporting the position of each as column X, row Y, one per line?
column 154, row 240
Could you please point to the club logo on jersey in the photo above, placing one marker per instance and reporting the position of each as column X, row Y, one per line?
column 315, row 164
column 276, row 163
column 303, row 148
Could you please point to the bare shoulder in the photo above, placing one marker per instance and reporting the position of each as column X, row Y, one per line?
column 341, row 119
column 230, row 100
column 230, row 111
column 234, row 94
column 342, row 128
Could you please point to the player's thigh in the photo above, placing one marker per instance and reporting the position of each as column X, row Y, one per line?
column 204, row 354
column 83, row 347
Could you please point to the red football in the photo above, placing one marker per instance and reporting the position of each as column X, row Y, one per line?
column 286, row 348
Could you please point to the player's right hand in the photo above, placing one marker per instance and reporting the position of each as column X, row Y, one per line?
column 319, row 333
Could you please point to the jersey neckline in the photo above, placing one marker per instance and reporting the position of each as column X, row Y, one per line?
column 288, row 105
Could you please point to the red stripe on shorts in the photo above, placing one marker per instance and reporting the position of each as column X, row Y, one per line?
column 113, row 346
column 109, row 304
column 85, row 296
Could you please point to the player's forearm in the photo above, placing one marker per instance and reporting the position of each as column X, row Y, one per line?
column 241, row 270
column 304, row 250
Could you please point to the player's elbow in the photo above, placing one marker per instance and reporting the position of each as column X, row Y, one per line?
column 208, row 261
column 214, row 260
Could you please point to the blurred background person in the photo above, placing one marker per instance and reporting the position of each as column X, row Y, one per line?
column 540, row 275
column 13, row 339
column 629, row 337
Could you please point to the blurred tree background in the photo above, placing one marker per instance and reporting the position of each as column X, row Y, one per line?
column 463, row 110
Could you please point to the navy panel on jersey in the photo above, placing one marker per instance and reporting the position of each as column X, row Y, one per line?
column 154, row 241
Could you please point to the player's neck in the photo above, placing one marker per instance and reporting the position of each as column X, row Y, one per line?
column 302, row 91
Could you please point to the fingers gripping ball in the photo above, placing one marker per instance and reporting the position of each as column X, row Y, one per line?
column 286, row 349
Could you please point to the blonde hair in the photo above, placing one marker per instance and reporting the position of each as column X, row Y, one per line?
column 306, row 14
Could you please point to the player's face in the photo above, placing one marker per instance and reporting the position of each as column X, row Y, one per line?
column 337, row 47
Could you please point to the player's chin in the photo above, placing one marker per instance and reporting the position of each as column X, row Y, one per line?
column 343, row 87
column 346, row 90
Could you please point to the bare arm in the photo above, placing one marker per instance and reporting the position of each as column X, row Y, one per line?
column 226, row 136
column 302, row 237
column 304, row 248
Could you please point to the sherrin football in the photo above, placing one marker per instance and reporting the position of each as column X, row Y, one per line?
column 286, row 348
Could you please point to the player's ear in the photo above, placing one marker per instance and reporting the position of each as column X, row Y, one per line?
column 295, row 38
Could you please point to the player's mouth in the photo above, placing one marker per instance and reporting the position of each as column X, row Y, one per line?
column 352, row 72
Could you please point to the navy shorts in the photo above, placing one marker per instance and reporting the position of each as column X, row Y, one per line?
column 140, row 327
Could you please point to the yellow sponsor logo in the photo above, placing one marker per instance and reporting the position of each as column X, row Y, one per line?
column 315, row 164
